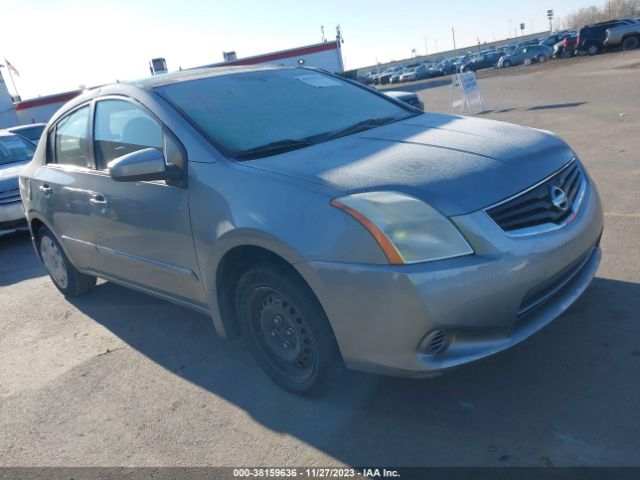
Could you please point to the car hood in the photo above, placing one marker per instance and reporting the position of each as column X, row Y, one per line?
column 456, row 164
column 9, row 175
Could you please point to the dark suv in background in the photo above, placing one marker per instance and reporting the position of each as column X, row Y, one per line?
column 591, row 37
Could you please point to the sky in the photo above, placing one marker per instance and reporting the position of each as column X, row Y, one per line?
column 59, row 45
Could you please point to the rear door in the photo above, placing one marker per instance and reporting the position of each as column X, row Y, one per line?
column 65, row 188
column 144, row 228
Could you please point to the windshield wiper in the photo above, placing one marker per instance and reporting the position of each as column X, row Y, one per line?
column 273, row 148
column 359, row 127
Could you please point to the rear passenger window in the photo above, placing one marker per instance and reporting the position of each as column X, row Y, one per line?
column 72, row 139
column 121, row 128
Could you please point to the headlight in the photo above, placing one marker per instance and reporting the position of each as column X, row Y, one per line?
column 407, row 229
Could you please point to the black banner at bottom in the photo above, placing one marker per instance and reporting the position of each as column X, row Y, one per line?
column 338, row 473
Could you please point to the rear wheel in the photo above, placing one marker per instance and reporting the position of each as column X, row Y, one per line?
column 286, row 329
column 527, row 61
column 542, row 58
column 65, row 276
column 630, row 43
column 593, row 49
column 506, row 63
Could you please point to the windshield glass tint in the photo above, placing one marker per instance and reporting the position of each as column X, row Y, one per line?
column 32, row 133
column 15, row 149
column 242, row 111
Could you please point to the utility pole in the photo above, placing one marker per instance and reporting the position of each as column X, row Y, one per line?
column 509, row 34
column 550, row 17
column 322, row 30
column 453, row 32
column 426, row 46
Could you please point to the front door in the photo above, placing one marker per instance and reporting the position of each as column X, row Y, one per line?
column 143, row 228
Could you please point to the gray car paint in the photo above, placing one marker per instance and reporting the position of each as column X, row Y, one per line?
column 169, row 241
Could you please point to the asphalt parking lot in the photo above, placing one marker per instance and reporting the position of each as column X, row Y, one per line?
column 117, row 378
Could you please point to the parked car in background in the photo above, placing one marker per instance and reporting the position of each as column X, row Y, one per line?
column 554, row 38
column 566, row 47
column 15, row 153
column 419, row 72
column 408, row 75
column 531, row 41
column 31, row 132
column 446, row 67
column 526, row 55
column 395, row 78
column 591, row 37
column 410, row 98
column 486, row 60
column 365, row 231
column 625, row 36
column 385, row 77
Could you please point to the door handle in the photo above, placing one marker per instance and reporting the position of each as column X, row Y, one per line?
column 99, row 200
column 45, row 189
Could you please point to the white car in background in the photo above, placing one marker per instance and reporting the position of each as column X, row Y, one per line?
column 15, row 153
column 31, row 131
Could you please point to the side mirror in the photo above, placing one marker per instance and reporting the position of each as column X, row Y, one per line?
column 142, row 165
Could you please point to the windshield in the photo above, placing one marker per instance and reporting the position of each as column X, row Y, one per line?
column 15, row 149
column 30, row 133
column 292, row 108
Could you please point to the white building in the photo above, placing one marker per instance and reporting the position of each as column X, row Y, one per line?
column 325, row 55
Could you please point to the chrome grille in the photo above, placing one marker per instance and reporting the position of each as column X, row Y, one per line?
column 10, row 196
column 534, row 207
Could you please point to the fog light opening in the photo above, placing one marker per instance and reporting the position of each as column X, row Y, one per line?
column 435, row 342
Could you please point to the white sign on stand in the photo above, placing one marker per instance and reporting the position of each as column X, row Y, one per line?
column 465, row 93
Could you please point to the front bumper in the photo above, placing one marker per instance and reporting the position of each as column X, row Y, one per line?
column 486, row 302
column 12, row 218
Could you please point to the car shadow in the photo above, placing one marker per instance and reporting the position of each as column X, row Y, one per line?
column 556, row 389
column 18, row 260
column 537, row 107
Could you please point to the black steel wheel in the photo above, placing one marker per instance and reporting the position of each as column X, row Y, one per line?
column 286, row 329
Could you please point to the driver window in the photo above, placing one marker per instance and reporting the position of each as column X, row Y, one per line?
column 121, row 128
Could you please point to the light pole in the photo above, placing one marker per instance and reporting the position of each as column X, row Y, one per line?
column 550, row 17
column 453, row 32
column 509, row 35
column 426, row 46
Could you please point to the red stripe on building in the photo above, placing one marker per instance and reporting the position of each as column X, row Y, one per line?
column 38, row 102
column 270, row 57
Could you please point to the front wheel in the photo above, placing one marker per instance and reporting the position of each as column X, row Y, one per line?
column 65, row 276
column 542, row 58
column 286, row 329
column 506, row 64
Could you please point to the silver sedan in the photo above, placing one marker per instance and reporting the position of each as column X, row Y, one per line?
column 326, row 223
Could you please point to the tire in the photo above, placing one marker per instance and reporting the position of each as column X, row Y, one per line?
column 286, row 329
column 506, row 64
column 64, row 275
column 593, row 49
column 630, row 43
column 527, row 62
column 542, row 58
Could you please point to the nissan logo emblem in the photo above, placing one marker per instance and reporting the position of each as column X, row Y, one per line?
column 559, row 198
